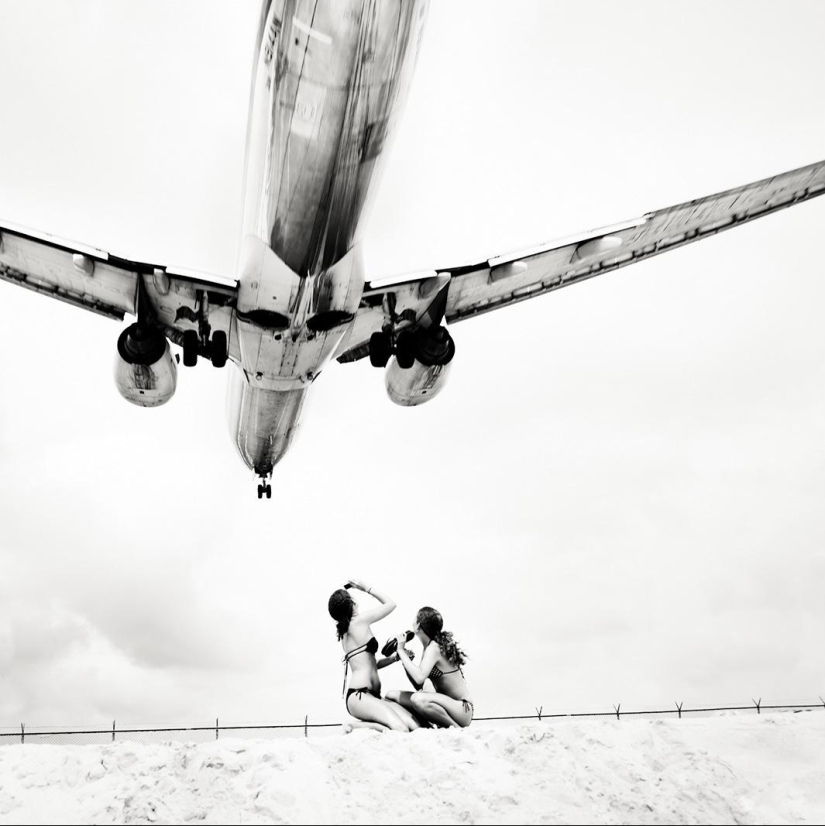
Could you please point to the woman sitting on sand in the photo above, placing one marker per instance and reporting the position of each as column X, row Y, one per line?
column 450, row 704
column 363, row 699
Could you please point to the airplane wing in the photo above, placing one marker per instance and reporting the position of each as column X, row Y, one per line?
column 507, row 279
column 95, row 280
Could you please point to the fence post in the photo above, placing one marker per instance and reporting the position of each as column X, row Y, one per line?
column 679, row 708
column 306, row 731
column 538, row 711
column 113, row 730
column 216, row 728
column 616, row 709
column 22, row 733
column 757, row 703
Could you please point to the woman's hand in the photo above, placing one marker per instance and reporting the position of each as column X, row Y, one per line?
column 401, row 641
column 373, row 614
column 357, row 583
column 405, row 657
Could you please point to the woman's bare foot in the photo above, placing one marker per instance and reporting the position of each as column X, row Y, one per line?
column 348, row 726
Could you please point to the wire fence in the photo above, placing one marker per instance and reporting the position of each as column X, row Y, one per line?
column 200, row 734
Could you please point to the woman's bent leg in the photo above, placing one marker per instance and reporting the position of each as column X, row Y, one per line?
column 441, row 709
column 370, row 709
column 404, row 699
column 405, row 714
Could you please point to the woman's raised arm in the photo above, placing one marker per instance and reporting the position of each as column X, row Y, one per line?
column 374, row 614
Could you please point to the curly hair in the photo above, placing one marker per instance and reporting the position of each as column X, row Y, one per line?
column 341, row 607
column 432, row 624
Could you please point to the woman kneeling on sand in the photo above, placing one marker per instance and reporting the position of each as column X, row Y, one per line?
column 450, row 704
column 363, row 699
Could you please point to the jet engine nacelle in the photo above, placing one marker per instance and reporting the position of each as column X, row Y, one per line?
column 145, row 371
column 434, row 350
column 416, row 384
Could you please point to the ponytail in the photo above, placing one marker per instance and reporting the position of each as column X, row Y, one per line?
column 341, row 607
column 450, row 649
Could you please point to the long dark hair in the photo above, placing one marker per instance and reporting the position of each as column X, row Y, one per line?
column 432, row 624
column 341, row 607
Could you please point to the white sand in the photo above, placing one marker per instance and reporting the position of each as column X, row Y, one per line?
column 737, row 769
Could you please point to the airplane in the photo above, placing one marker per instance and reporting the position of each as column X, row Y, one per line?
column 328, row 85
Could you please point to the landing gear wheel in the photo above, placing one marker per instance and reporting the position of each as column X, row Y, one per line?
column 380, row 349
column 405, row 350
column 218, row 349
column 268, row 491
column 190, row 348
column 265, row 489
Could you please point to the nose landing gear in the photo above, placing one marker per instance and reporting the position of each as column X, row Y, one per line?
column 264, row 489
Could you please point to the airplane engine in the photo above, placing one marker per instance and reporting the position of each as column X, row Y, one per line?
column 145, row 372
column 433, row 349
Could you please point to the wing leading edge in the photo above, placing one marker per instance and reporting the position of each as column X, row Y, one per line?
column 507, row 279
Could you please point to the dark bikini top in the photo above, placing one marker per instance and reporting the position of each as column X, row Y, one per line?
column 436, row 672
column 370, row 646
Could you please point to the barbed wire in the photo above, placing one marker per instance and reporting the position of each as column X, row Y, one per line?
column 100, row 735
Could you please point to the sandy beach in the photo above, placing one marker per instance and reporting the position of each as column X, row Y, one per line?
column 734, row 769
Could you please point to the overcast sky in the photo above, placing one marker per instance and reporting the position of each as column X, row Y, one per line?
column 618, row 497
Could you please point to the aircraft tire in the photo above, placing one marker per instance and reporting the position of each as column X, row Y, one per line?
column 405, row 350
column 218, row 348
column 190, row 348
column 380, row 349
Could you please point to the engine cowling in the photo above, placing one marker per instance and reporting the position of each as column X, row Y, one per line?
column 145, row 371
column 434, row 349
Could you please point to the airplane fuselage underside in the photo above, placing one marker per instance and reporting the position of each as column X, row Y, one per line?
column 329, row 79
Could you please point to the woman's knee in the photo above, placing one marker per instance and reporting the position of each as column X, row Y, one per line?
column 418, row 701
column 393, row 695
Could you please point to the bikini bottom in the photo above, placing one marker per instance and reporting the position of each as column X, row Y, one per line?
column 359, row 692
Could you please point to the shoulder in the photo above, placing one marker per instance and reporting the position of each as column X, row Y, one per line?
column 358, row 628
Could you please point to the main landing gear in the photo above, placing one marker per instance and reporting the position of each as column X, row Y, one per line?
column 428, row 345
column 381, row 348
column 264, row 489
column 217, row 348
